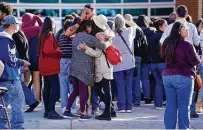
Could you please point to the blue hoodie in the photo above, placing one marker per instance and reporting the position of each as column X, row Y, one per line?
column 8, row 55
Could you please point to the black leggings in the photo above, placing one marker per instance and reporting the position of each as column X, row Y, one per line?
column 51, row 92
column 105, row 95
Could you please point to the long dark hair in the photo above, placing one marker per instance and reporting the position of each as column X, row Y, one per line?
column 169, row 46
column 84, row 25
column 95, row 29
column 158, row 23
column 143, row 21
column 46, row 29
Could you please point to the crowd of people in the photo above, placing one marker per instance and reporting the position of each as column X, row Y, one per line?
column 160, row 62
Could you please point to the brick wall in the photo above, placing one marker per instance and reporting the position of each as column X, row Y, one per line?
column 192, row 6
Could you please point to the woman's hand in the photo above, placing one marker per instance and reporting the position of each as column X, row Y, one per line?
column 83, row 46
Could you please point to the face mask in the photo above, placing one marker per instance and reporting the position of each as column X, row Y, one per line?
column 17, row 28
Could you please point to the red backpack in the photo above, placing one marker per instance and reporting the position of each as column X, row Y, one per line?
column 113, row 55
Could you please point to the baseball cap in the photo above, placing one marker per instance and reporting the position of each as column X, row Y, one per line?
column 10, row 19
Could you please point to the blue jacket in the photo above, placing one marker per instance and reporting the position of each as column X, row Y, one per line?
column 8, row 55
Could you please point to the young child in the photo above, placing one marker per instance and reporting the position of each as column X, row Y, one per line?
column 103, row 73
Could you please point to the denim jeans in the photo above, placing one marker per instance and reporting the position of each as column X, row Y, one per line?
column 136, row 85
column 200, row 69
column 29, row 95
column 124, row 81
column 65, row 87
column 157, row 70
column 179, row 90
column 145, row 70
column 14, row 97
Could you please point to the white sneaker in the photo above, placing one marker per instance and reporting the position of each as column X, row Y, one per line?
column 128, row 111
column 121, row 111
column 95, row 112
column 159, row 108
column 63, row 109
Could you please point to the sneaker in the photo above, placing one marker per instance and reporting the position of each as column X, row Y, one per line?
column 199, row 110
column 32, row 107
column 68, row 114
column 54, row 115
column 63, row 109
column 159, row 108
column 136, row 105
column 95, row 112
column 147, row 101
column 84, row 117
column 128, row 111
column 103, row 117
column 45, row 114
column 194, row 115
column 121, row 111
column 113, row 114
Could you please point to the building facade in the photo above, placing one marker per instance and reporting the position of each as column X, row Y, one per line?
column 59, row 8
column 194, row 7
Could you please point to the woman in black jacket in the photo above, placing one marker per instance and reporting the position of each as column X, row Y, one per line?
column 157, row 63
column 144, row 23
column 22, row 49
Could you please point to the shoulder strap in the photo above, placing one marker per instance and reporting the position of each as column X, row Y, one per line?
column 125, row 43
column 106, row 58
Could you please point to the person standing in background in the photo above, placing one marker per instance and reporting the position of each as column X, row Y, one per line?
column 49, row 67
column 158, row 63
column 31, row 27
column 193, row 37
column 10, row 77
column 178, row 76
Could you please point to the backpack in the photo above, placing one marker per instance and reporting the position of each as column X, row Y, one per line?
column 113, row 55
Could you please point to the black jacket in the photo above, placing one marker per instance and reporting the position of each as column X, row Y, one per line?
column 149, row 32
column 155, row 48
column 140, row 44
column 21, row 45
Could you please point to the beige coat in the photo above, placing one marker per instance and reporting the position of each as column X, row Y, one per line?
column 101, row 67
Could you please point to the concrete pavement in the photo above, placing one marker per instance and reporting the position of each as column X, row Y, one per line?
column 144, row 117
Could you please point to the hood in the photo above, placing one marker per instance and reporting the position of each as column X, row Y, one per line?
column 5, row 35
column 28, row 20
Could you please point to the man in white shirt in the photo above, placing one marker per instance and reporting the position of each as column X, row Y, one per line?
column 182, row 13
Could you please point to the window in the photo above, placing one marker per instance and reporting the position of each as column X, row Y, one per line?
column 15, row 12
column 134, row 1
column 41, row 12
column 108, row 1
column 108, row 12
column 39, row 1
column 162, row 0
column 77, row 1
column 11, row 1
column 135, row 12
column 69, row 11
column 161, row 11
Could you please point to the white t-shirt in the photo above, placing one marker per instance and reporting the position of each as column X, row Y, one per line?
column 193, row 35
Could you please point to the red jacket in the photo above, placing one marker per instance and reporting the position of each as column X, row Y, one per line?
column 49, row 58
